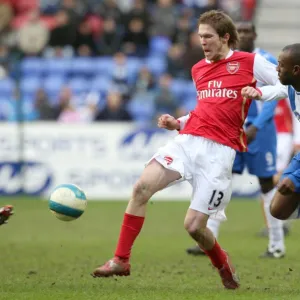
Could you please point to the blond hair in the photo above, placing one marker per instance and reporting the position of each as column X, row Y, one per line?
column 222, row 24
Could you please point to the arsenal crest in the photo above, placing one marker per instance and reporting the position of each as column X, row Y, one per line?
column 232, row 67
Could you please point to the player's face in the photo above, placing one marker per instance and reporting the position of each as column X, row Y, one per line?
column 211, row 42
column 246, row 37
column 285, row 69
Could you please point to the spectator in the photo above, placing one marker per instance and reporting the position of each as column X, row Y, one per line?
column 141, row 104
column 114, row 109
column 67, row 112
column 233, row 8
column 175, row 63
column 89, row 109
column 120, row 75
column 6, row 15
column 45, row 112
column 85, row 37
column 33, row 35
column 109, row 42
column 84, row 51
column 136, row 41
column 164, row 18
column 145, row 82
column 165, row 100
column 65, row 31
column 182, row 30
column 138, row 10
column 4, row 61
column 74, row 10
column 109, row 9
column 49, row 7
column 193, row 52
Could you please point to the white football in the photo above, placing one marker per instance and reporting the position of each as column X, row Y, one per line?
column 67, row 202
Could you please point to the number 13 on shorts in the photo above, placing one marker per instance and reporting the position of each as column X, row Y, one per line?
column 215, row 200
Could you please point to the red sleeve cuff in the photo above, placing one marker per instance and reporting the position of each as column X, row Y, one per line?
column 260, row 92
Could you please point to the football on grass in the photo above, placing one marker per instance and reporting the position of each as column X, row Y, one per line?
column 67, row 202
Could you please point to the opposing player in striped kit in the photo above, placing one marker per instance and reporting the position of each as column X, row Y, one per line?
column 286, row 202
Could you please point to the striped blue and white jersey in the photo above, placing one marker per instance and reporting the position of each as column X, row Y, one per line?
column 279, row 91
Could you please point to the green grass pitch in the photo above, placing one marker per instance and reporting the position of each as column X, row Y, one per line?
column 44, row 258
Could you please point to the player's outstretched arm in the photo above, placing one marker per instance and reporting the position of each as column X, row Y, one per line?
column 275, row 92
column 5, row 213
column 265, row 72
column 265, row 93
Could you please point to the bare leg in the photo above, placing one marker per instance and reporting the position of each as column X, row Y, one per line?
column 154, row 178
column 195, row 224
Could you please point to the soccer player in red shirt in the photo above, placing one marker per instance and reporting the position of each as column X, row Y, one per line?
column 204, row 150
column 5, row 213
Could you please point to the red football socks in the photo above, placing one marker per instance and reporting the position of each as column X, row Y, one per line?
column 131, row 228
column 217, row 255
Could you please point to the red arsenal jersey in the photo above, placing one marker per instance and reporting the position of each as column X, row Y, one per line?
column 283, row 117
column 221, row 110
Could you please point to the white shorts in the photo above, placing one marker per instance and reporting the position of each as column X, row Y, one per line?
column 206, row 165
column 284, row 150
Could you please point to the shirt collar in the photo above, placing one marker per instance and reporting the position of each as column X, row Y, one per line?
column 227, row 56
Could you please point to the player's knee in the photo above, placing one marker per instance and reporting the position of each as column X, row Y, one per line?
column 141, row 192
column 194, row 231
column 277, row 214
column 194, row 227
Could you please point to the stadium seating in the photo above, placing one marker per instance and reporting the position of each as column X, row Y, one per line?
column 82, row 66
column 157, row 65
column 52, row 85
column 159, row 46
column 7, row 87
column 30, row 85
column 57, row 66
column 79, row 85
column 32, row 66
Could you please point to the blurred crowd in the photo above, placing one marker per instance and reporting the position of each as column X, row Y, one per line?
column 85, row 60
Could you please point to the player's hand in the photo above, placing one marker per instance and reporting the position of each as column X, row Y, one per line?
column 251, row 93
column 168, row 122
column 5, row 213
column 251, row 133
column 286, row 187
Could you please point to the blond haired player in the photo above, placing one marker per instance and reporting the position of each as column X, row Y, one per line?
column 204, row 150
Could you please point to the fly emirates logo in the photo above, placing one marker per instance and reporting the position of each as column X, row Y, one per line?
column 215, row 90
